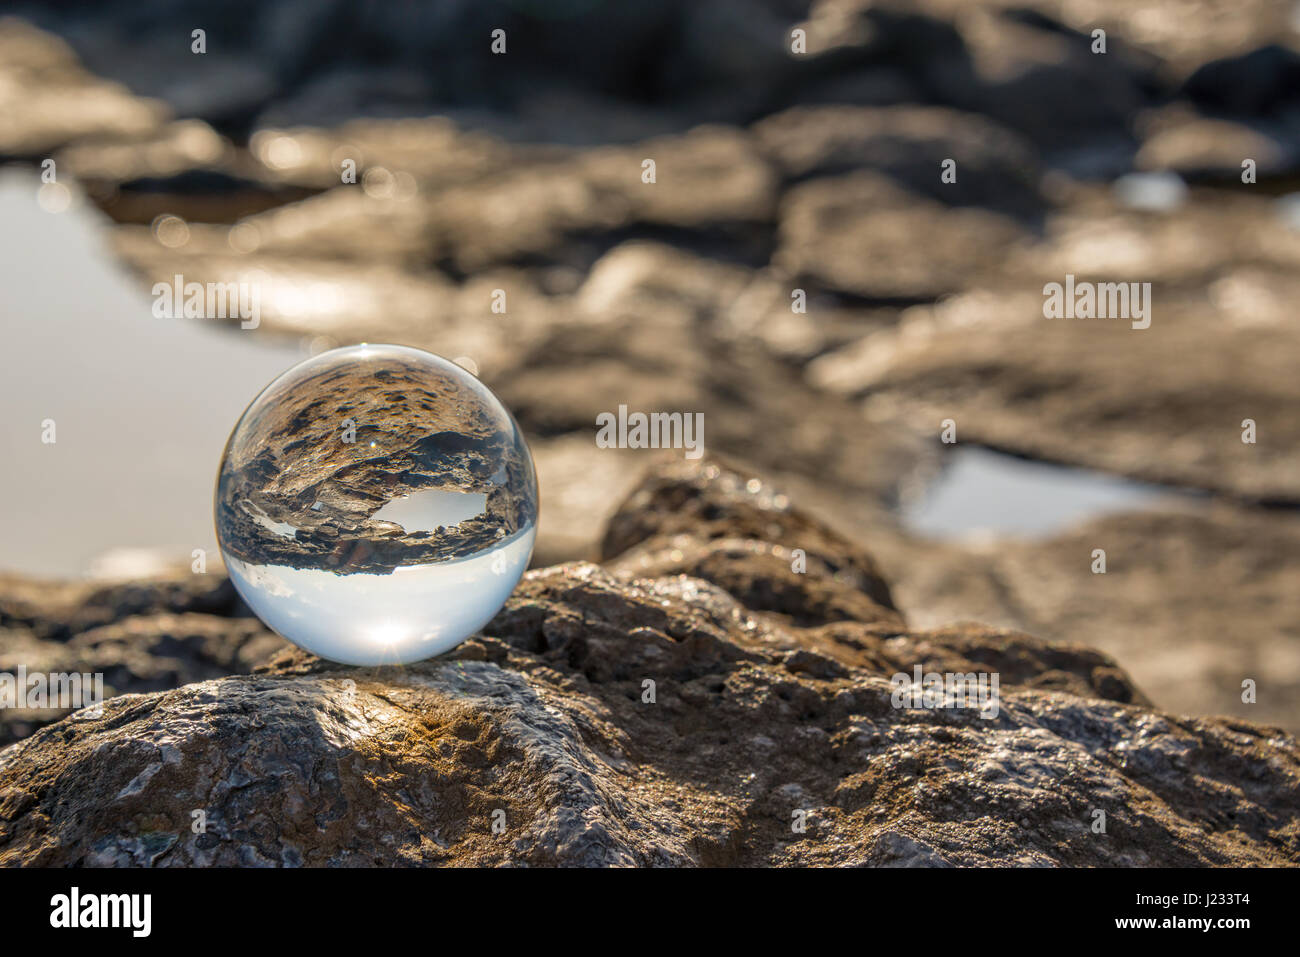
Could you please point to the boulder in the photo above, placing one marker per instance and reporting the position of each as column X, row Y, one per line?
column 609, row 718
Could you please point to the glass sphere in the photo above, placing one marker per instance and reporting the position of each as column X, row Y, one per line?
column 376, row 505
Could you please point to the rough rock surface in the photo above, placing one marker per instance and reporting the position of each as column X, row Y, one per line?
column 819, row 174
column 1226, row 570
column 763, row 714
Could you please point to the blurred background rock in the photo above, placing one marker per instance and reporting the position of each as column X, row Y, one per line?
column 775, row 171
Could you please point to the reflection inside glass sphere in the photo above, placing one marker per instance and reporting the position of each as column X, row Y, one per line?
column 376, row 505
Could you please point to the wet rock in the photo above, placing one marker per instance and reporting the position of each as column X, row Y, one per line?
column 487, row 205
column 649, row 326
column 643, row 342
column 769, row 633
column 144, row 635
column 710, row 175
column 1184, row 246
column 47, row 99
column 342, row 301
column 1158, row 403
column 1211, row 149
column 861, row 234
column 707, row 180
column 607, row 719
column 712, row 509
column 433, row 150
column 339, row 61
column 797, row 324
column 610, row 74
column 1220, row 268
column 203, row 195
column 684, row 290
column 993, row 168
column 1219, row 575
column 170, row 150
column 1030, row 70
column 57, row 610
column 1015, row 65
column 1260, row 83
column 154, row 652
column 1162, row 29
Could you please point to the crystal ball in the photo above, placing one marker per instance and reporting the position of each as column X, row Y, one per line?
column 376, row 505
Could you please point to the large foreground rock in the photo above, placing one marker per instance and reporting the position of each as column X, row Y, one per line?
column 769, row 734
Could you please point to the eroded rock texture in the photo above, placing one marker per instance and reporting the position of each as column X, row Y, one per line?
column 771, row 706
column 924, row 301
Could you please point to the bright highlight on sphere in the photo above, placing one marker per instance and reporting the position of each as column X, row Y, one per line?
column 376, row 505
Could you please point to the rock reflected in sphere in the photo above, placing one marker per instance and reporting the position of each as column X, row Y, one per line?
column 376, row 505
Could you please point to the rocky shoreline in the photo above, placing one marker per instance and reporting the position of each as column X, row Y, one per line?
column 769, row 731
column 512, row 228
